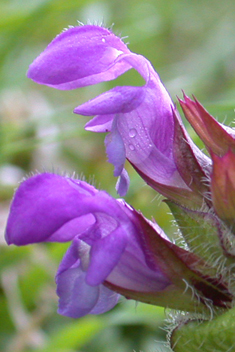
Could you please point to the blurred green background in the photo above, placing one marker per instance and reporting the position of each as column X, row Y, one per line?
column 192, row 46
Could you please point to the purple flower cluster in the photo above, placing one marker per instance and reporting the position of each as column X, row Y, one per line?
column 114, row 249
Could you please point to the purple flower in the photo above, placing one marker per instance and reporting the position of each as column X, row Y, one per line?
column 140, row 120
column 103, row 234
column 114, row 249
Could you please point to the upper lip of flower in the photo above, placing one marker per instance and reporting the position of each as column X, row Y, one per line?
column 77, row 57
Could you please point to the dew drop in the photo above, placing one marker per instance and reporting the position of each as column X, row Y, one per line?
column 103, row 40
column 131, row 147
column 132, row 133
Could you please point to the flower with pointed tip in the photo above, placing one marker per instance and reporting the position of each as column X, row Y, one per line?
column 140, row 120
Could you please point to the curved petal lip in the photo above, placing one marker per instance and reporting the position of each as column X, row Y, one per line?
column 78, row 57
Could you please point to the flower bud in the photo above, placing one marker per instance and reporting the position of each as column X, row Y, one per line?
column 223, row 187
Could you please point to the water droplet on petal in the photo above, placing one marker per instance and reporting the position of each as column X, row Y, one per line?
column 103, row 40
column 131, row 147
column 132, row 133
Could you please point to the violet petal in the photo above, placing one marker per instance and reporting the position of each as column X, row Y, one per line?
column 116, row 100
column 78, row 57
column 105, row 254
column 76, row 297
column 123, row 182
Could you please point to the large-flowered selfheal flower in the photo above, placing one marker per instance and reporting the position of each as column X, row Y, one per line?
column 140, row 120
column 114, row 250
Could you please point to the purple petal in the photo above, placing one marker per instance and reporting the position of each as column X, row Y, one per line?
column 148, row 155
column 116, row 100
column 48, row 207
column 71, row 258
column 78, row 57
column 105, row 254
column 132, row 273
column 106, row 301
column 122, row 184
column 100, row 123
column 115, row 149
column 76, row 297
column 142, row 129
column 72, row 228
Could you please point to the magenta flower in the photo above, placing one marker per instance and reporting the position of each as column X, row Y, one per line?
column 140, row 120
column 114, row 249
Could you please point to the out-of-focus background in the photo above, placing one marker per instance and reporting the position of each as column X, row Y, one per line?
column 192, row 46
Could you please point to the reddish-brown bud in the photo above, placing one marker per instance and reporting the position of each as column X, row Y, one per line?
column 223, row 187
column 212, row 133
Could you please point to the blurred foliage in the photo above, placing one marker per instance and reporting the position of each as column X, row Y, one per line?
column 192, row 46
